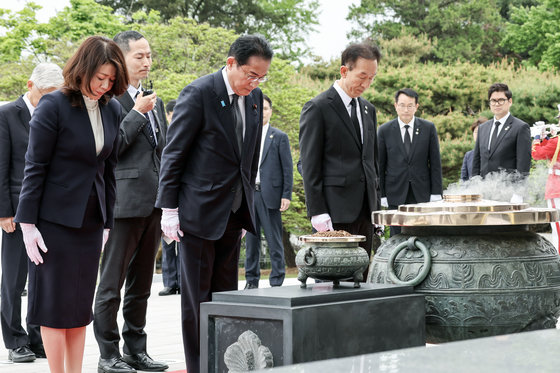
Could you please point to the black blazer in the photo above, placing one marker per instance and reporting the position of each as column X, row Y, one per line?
column 421, row 169
column 14, row 135
column 201, row 162
column 137, row 171
column 276, row 168
column 61, row 166
column 337, row 168
column 512, row 152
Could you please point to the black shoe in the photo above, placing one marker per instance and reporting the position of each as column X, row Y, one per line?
column 114, row 365
column 21, row 355
column 38, row 350
column 251, row 285
column 169, row 291
column 142, row 361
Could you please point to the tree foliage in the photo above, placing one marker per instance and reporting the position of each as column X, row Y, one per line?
column 533, row 32
column 460, row 30
column 284, row 22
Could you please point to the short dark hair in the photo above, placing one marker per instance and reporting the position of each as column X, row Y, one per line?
column 247, row 46
column 499, row 87
column 478, row 122
column 123, row 39
column 94, row 52
column 407, row 92
column 170, row 106
column 266, row 98
column 354, row 51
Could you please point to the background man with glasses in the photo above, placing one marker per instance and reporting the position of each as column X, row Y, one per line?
column 338, row 145
column 504, row 142
column 207, row 179
column 409, row 157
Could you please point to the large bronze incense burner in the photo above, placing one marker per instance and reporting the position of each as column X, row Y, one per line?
column 481, row 270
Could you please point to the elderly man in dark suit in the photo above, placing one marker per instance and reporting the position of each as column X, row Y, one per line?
column 14, row 135
column 338, row 145
column 273, row 193
column 409, row 158
column 133, row 242
column 504, row 142
column 207, row 180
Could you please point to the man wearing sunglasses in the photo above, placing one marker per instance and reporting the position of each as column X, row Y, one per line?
column 504, row 142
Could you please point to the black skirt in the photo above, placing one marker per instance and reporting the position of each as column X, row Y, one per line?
column 61, row 289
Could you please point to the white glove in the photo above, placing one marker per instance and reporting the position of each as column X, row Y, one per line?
column 516, row 198
column 170, row 224
column 33, row 241
column 384, row 202
column 105, row 237
column 435, row 197
column 322, row 223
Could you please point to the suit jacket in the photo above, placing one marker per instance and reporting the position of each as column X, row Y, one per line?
column 337, row 168
column 61, row 166
column 201, row 163
column 512, row 151
column 14, row 135
column 276, row 168
column 137, row 171
column 421, row 169
column 466, row 169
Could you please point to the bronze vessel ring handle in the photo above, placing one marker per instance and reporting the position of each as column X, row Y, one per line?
column 412, row 243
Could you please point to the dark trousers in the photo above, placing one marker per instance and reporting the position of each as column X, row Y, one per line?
column 129, row 254
column 170, row 265
column 270, row 220
column 394, row 230
column 362, row 226
column 206, row 267
column 14, row 276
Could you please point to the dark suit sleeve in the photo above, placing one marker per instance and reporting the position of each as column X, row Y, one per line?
column 435, row 164
column 311, row 142
column 131, row 126
column 6, row 209
column 109, row 176
column 464, row 169
column 187, row 121
column 524, row 149
column 287, row 167
column 476, row 156
column 382, row 147
column 43, row 134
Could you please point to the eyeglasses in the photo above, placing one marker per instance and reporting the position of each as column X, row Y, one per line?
column 252, row 78
column 403, row 106
column 499, row 101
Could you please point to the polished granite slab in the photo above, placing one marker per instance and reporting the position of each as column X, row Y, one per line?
column 534, row 352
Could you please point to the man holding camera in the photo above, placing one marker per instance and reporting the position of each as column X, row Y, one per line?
column 131, row 249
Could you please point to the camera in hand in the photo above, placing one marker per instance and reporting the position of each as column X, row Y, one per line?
column 149, row 90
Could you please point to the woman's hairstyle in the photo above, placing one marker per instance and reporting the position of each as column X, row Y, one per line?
column 81, row 68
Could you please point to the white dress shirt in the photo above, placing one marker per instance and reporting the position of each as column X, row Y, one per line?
column 410, row 130
column 493, row 128
column 263, row 138
column 30, row 107
column 94, row 114
column 240, row 99
column 346, row 100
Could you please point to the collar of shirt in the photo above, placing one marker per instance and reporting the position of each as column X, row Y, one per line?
column 263, row 139
column 30, row 107
column 344, row 96
column 132, row 90
column 502, row 120
column 402, row 124
column 265, row 130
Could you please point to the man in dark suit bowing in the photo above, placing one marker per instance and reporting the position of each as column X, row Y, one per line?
column 273, row 193
column 131, row 249
column 338, row 145
column 504, row 142
column 14, row 135
column 207, row 180
column 409, row 158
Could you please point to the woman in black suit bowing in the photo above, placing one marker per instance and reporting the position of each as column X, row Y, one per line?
column 68, row 192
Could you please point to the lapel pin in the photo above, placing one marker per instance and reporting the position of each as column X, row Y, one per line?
column 507, row 128
column 271, row 136
column 223, row 103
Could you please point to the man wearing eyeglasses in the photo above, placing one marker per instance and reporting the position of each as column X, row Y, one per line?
column 207, row 178
column 409, row 157
column 504, row 142
column 338, row 148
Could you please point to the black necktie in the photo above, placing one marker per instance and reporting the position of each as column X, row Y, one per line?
column 494, row 136
column 238, row 123
column 355, row 122
column 407, row 141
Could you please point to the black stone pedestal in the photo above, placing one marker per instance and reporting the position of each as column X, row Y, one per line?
column 320, row 322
